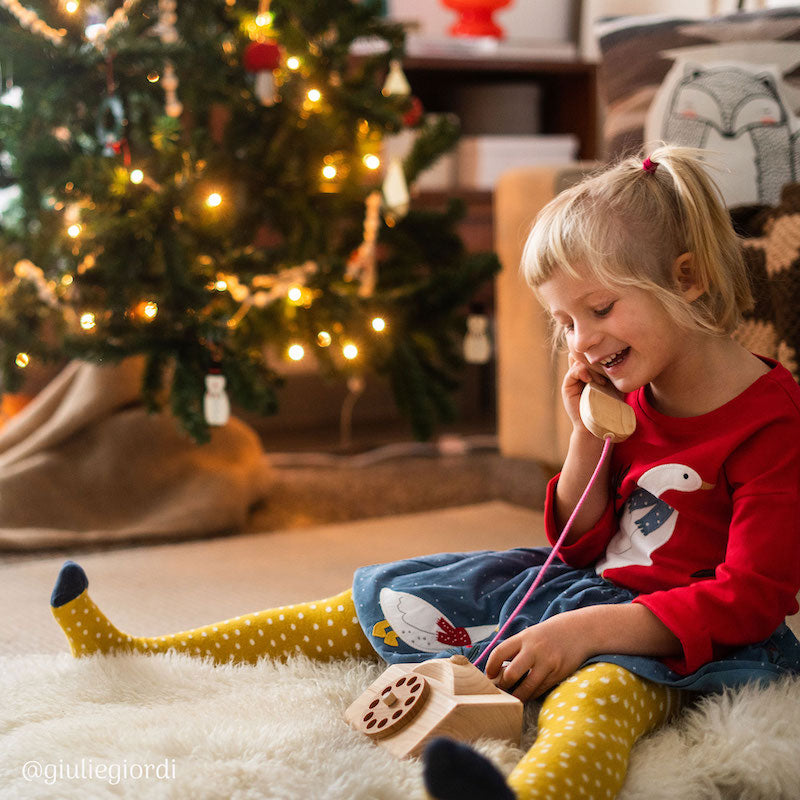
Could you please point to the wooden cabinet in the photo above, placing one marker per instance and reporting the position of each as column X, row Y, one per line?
column 567, row 92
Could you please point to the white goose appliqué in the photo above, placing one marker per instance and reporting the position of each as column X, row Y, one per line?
column 421, row 625
column 647, row 522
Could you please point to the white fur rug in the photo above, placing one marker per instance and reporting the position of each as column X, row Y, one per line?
column 90, row 728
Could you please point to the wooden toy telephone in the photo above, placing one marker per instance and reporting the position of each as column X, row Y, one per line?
column 410, row 704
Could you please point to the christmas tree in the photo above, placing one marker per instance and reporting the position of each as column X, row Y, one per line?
column 204, row 186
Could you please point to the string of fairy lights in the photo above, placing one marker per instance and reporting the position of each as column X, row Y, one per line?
column 288, row 284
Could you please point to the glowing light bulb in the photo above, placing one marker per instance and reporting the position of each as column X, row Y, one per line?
column 314, row 95
column 22, row 360
column 66, row 280
column 296, row 352
column 221, row 285
column 371, row 161
column 295, row 294
column 71, row 6
column 293, row 62
column 153, row 77
column 379, row 324
column 214, row 200
column 323, row 339
column 74, row 231
column 329, row 172
column 150, row 309
column 137, row 176
column 262, row 20
column 350, row 351
column 88, row 321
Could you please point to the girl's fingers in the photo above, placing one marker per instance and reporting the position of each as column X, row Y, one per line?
column 536, row 683
column 496, row 663
column 584, row 374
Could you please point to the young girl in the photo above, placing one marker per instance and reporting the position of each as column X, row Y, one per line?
column 681, row 564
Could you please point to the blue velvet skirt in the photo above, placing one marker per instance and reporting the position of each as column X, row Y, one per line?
column 439, row 605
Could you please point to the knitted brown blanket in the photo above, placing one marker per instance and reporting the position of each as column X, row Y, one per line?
column 772, row 252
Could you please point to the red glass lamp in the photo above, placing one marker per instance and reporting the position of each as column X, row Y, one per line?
column 475, row 17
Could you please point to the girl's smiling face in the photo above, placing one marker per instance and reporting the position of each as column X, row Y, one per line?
column 622, row 333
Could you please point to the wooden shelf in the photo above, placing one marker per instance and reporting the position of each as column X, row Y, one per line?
column 568, row 89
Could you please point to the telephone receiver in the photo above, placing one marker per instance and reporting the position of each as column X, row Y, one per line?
column 605, row 413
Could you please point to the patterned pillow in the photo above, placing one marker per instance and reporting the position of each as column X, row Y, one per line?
column 638, row 52
column 740, row 114
column 772, row 253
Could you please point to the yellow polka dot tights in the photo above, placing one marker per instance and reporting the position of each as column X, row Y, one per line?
column 587, row 728
column 323, row 629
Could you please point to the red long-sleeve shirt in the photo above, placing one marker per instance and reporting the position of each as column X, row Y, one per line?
column 718, row 497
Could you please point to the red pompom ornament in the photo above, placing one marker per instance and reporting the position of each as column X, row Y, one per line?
column 413, row 116
column 263, row 58
column 259, row 56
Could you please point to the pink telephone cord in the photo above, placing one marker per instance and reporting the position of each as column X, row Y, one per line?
column 553, row 552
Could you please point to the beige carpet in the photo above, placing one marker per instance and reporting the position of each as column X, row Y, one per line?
column 158, row 589
column 275, row 731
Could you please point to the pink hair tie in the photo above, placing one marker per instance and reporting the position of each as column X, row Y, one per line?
column 649, row 166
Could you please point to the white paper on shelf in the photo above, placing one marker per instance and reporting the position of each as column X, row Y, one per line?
column 488, row 47
column 482, row 159
column 468, row 48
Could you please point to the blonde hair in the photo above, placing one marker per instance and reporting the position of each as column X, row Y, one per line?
column 626, row 227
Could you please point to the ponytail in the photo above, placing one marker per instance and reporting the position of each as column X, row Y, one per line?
column 718, row 263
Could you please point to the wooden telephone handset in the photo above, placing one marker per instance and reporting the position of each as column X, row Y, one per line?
column 605, row 414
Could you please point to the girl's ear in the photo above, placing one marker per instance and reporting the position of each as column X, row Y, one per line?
column 685, row 277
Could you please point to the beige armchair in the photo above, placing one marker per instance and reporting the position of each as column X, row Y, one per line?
column 532, row 422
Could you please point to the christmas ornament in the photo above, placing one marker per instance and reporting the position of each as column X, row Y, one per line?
column 263, row 59
column 30, row 20
column 173, row 107
column 168, row 33
column 361, row 265
column 25, row 270
column 395, row 189
column 110, row 124
column 265, row 288
column 413, row 116
column 98, row 31
column 396, row 81
column 95, row 24
column 167, row 17
column 216, row 406
column 477, row 346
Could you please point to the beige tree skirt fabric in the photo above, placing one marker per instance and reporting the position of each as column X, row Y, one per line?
column 85, row 462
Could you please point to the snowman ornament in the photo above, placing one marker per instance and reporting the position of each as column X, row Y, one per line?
column 216, row 406
column 477, row 345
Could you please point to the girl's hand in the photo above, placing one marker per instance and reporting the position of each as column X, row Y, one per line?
column 548, row 652
column 578, row 375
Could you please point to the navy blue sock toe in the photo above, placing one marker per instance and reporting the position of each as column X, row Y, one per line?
column 454, row 771
column 71, row 581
